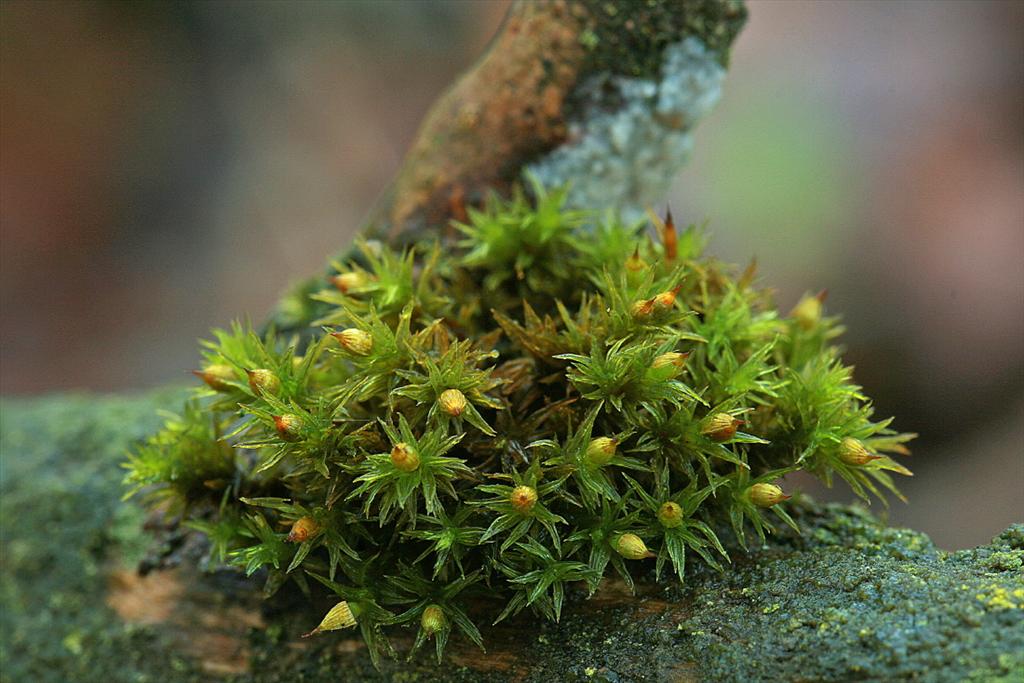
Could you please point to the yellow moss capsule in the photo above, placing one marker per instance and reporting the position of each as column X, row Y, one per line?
column 523, row 498
column 670, row 364
column 263, row 381
column 452, row 402
column 601, row 450
column 635, row 263
column 354, row 341
column 433, row 620
column 216, row 376
column 670, row 514
column 288, row 426
column 720, row 427
column 302, row 530
column 632, row 547
column 766, row 495
column 344, row 282
column 853, row 452
column 340, row 616
column 807, row 313
column 405, row 457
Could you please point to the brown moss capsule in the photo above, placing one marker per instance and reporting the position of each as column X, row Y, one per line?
column 766, row 495
column 405, row 457
column 523, row 498
column 667, row 299
column 670, row 514
column 720, row 427
column 452, row 402
column 853, row 452
column 601, row 450
column 433, row 620
column 216, row 376
column 669, row 237
column 643, row 308
column 354, row 341
column 632, row 547
column 302, row 530
column 288, row 426
column 807, row 313
column 263, row 381
column 340, row 616
column 344, row 282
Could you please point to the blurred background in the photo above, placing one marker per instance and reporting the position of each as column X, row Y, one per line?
column 166, row 167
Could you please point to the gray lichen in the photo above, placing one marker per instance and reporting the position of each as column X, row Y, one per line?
column 633, row 134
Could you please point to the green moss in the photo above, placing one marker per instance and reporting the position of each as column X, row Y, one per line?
column 551, row 399
column 891, row 604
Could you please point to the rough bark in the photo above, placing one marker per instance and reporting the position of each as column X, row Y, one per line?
column 848, row 600
column 533, row 92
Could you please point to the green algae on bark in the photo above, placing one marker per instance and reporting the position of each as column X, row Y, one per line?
column 63, row 527
column 848, row 600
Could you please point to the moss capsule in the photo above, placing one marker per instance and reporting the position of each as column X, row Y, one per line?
column 853, row 452
column 766, row 495
column 636, row 263
column 340, row 616
column 669, row 364
column 670, row 514
column 302, row 530
column 523, row 498
column 601, row 450
column 405, row 457
column 354, row 341
column 807, row 313
column 720, row 427
column 667, row 299
column 643, row 308
column 263, row 381
column 668, row 236
column 452, row 402
column 288, row 426
column 632, row 547
column 345, row 282
column 216, row 376
column 433, row 620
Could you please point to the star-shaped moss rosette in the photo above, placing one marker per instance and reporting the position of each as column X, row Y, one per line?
column 509, row 413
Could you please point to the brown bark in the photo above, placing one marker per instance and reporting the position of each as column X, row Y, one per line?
column 506, row 109
column 515, row 104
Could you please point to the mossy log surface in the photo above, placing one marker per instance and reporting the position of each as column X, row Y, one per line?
column 848, row 600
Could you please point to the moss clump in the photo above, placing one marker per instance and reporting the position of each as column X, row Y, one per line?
column 507, row 414
column 65, row 533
